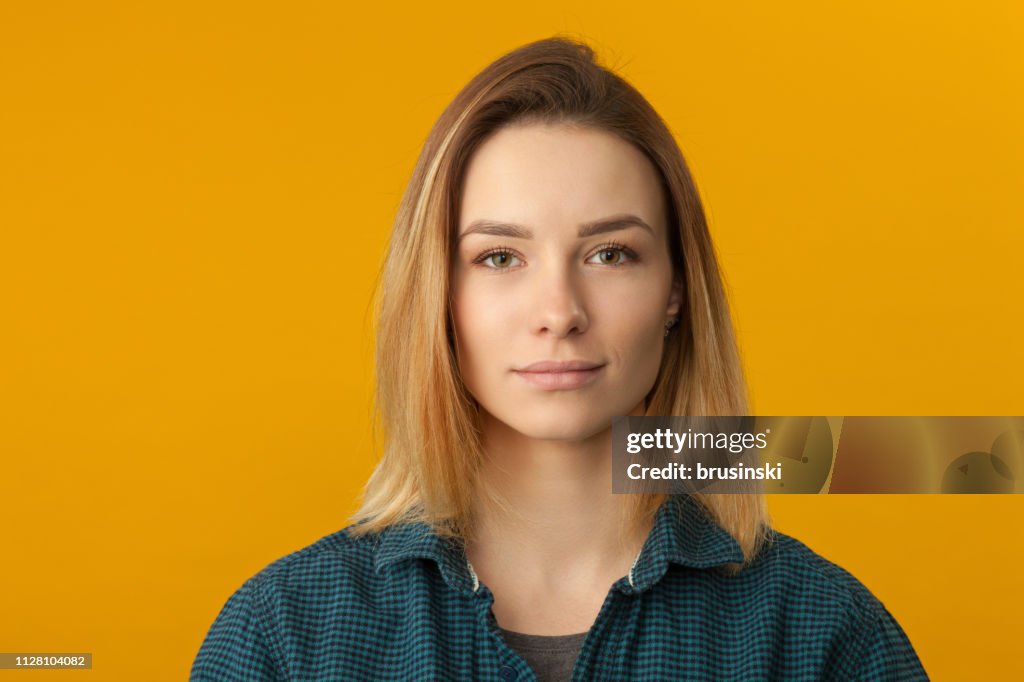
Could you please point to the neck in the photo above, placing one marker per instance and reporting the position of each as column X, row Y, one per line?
column 564, row 521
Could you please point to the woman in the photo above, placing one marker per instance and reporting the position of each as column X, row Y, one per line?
column 550, row 268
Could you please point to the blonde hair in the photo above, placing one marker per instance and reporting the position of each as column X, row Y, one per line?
column 425, row 417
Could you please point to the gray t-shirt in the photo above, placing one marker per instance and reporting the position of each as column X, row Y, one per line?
column 551, row 657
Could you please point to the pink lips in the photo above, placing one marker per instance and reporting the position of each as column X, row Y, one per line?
column 552, row 375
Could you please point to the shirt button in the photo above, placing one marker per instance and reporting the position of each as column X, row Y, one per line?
column 508, row 673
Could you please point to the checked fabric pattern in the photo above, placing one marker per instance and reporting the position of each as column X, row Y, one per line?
column 405, row 605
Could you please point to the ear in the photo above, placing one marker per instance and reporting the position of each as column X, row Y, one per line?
column 675, row 300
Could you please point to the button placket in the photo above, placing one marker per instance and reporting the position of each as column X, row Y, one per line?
column 605, row 617
column 513, row 666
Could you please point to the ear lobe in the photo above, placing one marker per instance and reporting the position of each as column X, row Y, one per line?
column 675, row 301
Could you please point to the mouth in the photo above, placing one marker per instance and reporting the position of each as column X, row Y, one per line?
column 560, row 378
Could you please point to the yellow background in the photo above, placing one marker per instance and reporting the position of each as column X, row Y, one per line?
column 195, row 197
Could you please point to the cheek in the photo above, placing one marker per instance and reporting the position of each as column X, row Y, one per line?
column 633, row 314
column 483, row 326
column 632, row 325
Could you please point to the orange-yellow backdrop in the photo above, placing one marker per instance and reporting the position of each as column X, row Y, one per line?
column 195, row 196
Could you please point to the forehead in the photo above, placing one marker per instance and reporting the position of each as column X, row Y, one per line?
column 550, row 175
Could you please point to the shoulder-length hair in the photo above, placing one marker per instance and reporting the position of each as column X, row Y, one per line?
column 427, row 420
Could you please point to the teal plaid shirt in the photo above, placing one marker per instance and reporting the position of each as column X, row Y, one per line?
column 404, row 605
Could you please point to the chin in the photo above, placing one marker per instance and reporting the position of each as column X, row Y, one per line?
column 559, row 425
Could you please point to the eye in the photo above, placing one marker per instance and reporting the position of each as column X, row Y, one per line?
column 500, row 259
column 614, row 254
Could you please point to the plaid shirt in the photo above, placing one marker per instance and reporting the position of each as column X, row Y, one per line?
column 405, row 605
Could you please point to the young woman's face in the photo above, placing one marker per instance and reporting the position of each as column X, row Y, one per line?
column 561, row 255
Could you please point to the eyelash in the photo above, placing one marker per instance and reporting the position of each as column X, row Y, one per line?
column 609, row 246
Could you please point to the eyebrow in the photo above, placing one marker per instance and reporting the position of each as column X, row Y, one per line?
column 588, row 229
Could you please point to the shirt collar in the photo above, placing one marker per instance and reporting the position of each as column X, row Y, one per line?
column 682, row 534
column 417, row 540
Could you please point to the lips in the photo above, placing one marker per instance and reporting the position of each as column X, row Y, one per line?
column 547, row 366
column 553, row 375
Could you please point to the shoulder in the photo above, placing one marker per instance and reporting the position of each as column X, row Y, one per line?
column 340, row 553
column 249, row 636
column 792, row 565
column 826, row 604
column 337, row 569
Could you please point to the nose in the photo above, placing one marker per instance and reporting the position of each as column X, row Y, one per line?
column 558, row 304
